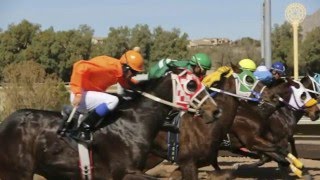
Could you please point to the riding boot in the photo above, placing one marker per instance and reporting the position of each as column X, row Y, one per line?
column 86, row 128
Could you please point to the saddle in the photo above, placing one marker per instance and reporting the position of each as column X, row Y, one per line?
column 68, row 127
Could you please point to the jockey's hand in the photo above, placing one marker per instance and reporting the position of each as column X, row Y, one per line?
column 77, row 99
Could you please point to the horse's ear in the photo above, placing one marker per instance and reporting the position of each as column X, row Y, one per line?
column 308, row 70
column 235, row 68
column 289, row 79
column 174, row 69
column 291, row 82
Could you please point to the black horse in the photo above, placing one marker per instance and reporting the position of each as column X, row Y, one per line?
column 200, row 142
column 29, row 142
column 270, row 137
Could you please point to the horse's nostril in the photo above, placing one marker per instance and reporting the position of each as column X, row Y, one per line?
column 217, row 113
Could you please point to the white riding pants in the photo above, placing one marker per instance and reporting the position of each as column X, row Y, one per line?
column 91, row 99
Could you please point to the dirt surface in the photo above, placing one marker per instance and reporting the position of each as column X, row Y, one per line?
column 167, row 171
column 228, row 164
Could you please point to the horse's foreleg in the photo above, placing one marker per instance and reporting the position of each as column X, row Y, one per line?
column 214, row 159
column 278, row 157
column 189, row 170
column 263, row 145
column 263, row 159
column 293, row 146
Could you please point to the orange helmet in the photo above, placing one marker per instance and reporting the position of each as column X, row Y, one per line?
column 133, row 59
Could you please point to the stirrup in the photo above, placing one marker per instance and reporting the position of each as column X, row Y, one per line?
column 170, row 127
column 82, row 137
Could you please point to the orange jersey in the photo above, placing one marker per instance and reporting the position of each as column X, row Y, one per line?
column 96, row 74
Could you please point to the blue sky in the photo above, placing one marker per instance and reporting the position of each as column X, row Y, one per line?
column 232, row 19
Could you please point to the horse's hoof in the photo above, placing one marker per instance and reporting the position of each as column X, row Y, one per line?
column 236, row 166
column 307, row 177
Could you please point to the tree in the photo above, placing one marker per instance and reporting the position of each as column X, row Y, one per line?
column 282, row 43
column 117, row 41
column 168, row 44
column 310, row 47
column 28, row 86
column 142, row 37
column 15, row 40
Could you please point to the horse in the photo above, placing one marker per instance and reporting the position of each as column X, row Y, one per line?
column 270, row 137
column 30, row 144
column 200, row 142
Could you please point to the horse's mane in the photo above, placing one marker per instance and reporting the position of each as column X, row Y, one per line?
column 276, row 82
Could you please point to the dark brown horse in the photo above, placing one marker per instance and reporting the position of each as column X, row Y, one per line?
column 29, row 143
column 200, row 142
column 270, row 137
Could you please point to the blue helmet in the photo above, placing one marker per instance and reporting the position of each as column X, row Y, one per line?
column 279, row 67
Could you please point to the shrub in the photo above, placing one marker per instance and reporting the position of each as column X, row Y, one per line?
column 26, row 85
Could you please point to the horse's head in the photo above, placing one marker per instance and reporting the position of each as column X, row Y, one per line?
column 312, row 83
column 294, row 95
column 183, row 90
column 241, row 85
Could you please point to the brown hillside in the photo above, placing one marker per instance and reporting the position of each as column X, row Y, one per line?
column 310, row 22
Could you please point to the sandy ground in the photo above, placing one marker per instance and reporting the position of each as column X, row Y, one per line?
column 228, row 164
column 166, row 171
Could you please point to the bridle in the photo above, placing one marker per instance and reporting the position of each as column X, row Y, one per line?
column 183, row 99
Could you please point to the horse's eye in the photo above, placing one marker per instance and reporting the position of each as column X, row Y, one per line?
column 249, row 80
column 303, row 96
column 192, row 85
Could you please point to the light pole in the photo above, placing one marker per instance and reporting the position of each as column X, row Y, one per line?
column 295, row 14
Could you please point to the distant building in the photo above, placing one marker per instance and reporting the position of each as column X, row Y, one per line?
column 97, row 40
column 208, row 42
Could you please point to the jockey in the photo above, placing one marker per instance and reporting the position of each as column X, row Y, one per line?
column 89, row 81
column 263, row 74
column 278, row 70
column 199, row 64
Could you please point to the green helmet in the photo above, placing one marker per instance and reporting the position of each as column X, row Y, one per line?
column 202, row 60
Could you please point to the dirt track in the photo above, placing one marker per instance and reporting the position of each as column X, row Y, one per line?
column 267, row 171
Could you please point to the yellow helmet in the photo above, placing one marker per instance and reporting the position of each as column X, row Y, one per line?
column 247, row 64
column 133, row 59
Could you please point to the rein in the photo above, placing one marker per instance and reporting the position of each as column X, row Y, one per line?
column 157, row 99
column 234, row 95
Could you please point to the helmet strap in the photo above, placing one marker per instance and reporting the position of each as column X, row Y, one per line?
column 198, row 63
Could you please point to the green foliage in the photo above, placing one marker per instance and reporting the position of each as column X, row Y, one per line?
column 14, row 41
column 142, row 37
column 282, row 43
column 168, row 44
column 310, row 48
column 117, row 41
column 57, row 51
column 26, row 85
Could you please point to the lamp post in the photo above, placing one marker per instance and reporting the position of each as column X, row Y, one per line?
column 295, row 14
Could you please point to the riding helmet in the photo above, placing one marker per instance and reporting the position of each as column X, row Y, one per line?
column 279, row 67
column 248, row 64
column 133, row 59
column 201, row 60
